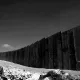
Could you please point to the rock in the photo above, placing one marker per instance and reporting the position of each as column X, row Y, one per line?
column 50, row 76
column 47, row 78
column 4, row 78
column 14, row 73
column 36, row 76
column 1, row 71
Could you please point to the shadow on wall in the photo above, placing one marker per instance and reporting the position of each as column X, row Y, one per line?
column 60, row 50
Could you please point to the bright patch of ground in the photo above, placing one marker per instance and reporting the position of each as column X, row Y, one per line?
column 40, row 70
column 29, row 72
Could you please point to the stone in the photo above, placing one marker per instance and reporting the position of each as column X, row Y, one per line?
column 4, row 78
column 1, row 71
column 50, row 76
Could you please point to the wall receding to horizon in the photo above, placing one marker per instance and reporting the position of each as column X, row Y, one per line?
column 60, row 50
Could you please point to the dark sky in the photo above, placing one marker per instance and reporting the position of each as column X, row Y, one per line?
column 24, row 22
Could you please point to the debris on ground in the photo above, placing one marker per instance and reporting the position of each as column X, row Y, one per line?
column 14, row 73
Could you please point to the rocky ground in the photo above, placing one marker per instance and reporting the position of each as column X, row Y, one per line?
column 11, row 71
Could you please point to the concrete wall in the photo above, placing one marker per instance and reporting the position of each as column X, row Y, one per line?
column 60, row 50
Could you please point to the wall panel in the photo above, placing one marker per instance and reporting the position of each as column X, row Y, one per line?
column 59, row 50
column 65, row 50
column 26, row 56
column 77, row 42
column 46, row 53
column 72, row 64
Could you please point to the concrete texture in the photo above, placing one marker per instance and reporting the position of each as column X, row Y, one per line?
column 60, row 50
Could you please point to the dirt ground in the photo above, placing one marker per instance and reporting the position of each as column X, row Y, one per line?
column 6, row 63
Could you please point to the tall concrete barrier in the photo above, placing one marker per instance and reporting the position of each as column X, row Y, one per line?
column 61, row 50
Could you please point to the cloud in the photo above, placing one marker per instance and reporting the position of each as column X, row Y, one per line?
column 7, row 46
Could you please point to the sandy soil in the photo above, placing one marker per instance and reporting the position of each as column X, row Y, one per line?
column 40, row 70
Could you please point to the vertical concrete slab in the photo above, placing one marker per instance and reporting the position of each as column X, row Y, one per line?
column 32, row 55
column 12, row 56
column 46, row 53
column 68, row 50
column 77, row 42
column 59, row 50
column 21, row 56
column 76, row 32
column 41, row 53
column 6, row 56
column 17, row 56
column 20, row 59
column 78, row 66
column 36, row 55
column 50, row 52
column 65, row 50
column 0, row 56
column 72, row 61
column 26, row 55
column 53, row 56
column 55, row 53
